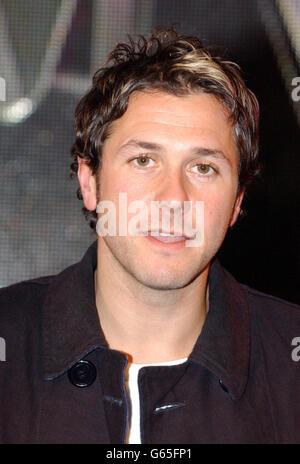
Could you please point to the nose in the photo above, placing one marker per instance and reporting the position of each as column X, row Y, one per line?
column 172, row 190
column 168, row 206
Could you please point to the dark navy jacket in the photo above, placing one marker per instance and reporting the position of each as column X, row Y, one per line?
column 240, row 384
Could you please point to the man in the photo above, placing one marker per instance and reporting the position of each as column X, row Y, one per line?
column 148, row 339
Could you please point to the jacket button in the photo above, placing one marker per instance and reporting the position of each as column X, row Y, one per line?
column 82, row 374
column 223, row 385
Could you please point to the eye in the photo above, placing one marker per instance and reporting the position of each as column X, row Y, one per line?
column 204, row 169
column 142, row 160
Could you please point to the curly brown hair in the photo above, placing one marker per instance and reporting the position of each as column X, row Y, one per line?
column 176, row 64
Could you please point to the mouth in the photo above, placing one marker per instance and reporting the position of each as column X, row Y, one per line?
column 166, row 240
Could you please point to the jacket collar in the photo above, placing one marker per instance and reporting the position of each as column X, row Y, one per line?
column 223, row 346
column 71, row 327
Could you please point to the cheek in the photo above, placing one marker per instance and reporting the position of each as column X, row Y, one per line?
column 122, row 184
column 111, row 183
column 218, row 210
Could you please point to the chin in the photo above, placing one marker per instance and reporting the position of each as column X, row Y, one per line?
column 165, row 280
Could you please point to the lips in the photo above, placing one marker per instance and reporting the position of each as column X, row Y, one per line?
column 163, row 241
column 169, row 239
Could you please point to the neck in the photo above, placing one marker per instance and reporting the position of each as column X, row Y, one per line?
column 148, row 325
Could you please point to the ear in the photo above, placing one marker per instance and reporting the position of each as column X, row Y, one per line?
column 87, row 183
column 237, row 207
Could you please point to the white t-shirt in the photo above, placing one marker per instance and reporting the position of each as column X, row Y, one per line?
column 134, row 398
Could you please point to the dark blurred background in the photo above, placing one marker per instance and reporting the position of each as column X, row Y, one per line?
column 48, row 53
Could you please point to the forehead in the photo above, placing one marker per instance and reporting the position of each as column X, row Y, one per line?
column 175, row 120
column 187, row 110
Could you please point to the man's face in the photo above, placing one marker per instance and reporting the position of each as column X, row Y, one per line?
column 192, row 157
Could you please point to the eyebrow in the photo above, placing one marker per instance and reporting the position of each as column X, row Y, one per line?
column 200, row 151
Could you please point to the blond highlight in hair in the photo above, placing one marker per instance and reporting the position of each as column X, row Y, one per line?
column 168, row 62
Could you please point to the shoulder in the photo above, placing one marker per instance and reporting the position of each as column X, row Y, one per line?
column 19, row 290
column 258, row 302
column 23, row 298
column 266, row 302
column 272, row 314
column 267, row 299
column 20, row 319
